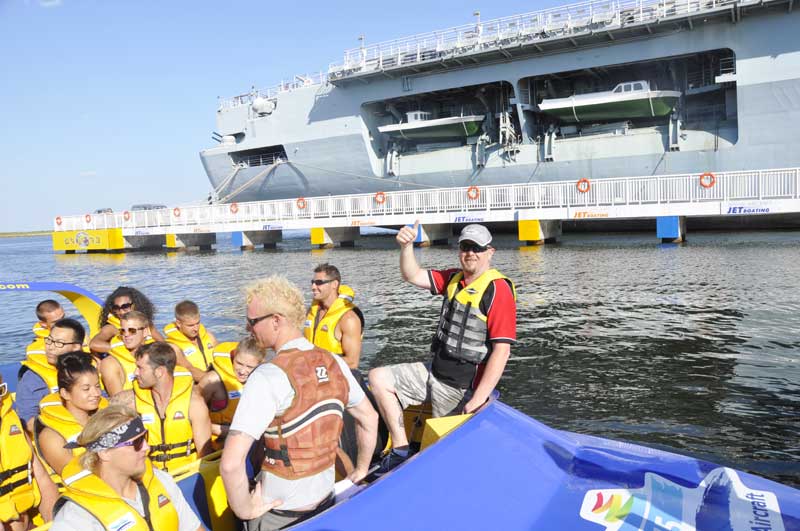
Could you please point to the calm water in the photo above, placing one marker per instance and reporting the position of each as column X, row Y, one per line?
column 694, row 348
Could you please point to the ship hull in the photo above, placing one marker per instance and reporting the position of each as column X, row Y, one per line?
column 332, row 148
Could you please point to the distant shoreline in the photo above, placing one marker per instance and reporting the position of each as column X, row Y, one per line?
column 25, row 233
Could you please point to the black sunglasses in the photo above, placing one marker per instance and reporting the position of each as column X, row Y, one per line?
column 118, row 307
column 59, row 344
column 466, row 247
column 137, row 443
column 131, row 330
column 320, row 282
column 253, row 321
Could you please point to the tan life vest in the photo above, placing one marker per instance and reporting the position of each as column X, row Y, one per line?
column 303, row 441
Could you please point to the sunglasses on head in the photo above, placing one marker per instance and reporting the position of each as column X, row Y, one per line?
column 466, row 247
column 130, row 331
column 252, row 321
column 320, row 282
column 118, row 307
column 137, row 443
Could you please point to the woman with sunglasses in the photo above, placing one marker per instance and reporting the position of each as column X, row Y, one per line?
column 221, row 387
column 19, row 467
column 114, row 486
column 63, row 415
column 120, row 302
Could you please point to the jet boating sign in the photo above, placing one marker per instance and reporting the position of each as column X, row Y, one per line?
column 663, row 505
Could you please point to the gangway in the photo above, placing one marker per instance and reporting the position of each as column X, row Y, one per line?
column 740, row 193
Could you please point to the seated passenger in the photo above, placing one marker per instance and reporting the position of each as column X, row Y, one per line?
column 175, row 415
column 334, row 322
column 19, row 466
column 63, row 415
column 188, row 334
column 120, row 302
column 117, row 369
column 222, row 386
column 114, row 486
column 38, row 376
column 47, row 313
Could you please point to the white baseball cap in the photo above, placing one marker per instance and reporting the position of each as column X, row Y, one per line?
column 477, row 234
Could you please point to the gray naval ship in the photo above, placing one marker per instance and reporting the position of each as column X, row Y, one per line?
column 591, row 90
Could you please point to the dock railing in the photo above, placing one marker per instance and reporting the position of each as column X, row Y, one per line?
column 547, row 200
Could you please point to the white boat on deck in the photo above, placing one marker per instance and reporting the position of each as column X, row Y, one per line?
column 631, row 99
column 420, row 127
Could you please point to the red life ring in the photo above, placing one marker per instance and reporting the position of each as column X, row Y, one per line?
column 712, row 180
column 87, row 218
column 301, row 203
column 380, row 198
column 473, row 192
column 583, row 185
column 176, row 212
column 234, row 208
column 126, row 216
column 58, row 220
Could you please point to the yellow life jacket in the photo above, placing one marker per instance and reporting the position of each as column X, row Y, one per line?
column 18, row 492
column 36, row 361
column 222, row 363
column 324, row 334
column 113, row 320
column 198, row 355
column 170, row 439
column 462, row 326
column 126, row 359
column 40, row 330
column 54, row 415
column 111, row 511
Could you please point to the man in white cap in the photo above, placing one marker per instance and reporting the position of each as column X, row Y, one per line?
column 472, row 343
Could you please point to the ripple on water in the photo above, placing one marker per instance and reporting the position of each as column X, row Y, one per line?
column 689, row 348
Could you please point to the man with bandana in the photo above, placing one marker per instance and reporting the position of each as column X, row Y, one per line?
column 114, row 486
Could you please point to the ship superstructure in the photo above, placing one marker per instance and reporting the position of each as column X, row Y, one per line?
column 592, row 90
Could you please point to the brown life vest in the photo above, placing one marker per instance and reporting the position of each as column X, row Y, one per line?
column 303, row 441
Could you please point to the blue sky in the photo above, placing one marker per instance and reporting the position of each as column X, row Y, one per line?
column 107, row 103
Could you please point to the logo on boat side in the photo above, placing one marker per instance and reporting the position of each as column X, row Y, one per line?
column 14, row 286
column 747, row 210
column 662, row 504
column 467, row 219
column 82, row 239
column 585, row 214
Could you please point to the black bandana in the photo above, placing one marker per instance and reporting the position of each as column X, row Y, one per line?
column 124, row 432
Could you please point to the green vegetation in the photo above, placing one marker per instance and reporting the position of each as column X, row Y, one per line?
column 27, row 233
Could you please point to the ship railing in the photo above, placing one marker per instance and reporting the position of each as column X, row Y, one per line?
column 298, row 82
column 762, row 185
column 260, row 160
column 561, row 21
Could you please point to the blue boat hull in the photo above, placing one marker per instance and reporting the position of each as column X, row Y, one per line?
column 504, row 470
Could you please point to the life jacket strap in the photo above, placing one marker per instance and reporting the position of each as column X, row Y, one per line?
column 12, row 472
column 279, row 455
